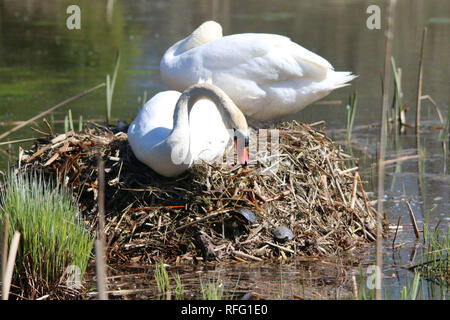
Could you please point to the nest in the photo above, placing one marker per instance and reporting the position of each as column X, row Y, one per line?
column 195, row 216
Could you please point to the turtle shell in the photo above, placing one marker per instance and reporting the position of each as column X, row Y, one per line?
column 246, row 214
column 282, row 233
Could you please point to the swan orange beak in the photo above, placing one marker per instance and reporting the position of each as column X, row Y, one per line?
column 242, row 152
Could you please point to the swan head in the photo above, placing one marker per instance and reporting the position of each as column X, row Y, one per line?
column 208, row 31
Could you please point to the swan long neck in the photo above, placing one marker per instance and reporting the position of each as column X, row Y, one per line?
column 226, row 107
column 180, row 135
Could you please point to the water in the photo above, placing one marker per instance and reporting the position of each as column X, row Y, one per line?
column 43, row 63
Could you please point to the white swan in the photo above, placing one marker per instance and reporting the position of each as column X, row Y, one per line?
column 266, row 75
column 172, row 130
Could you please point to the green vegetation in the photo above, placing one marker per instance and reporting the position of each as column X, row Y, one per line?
column 411, row 292
column 163, row 283
column 110, row 84
column 162, row 278
column 398, row 97
column 179, row 289
column 212, row 290
column 53, row 237
column 68, row 122
column 435, row 261
column 351, row 110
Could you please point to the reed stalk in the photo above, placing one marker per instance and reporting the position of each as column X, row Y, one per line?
column 351, row 111
column 382, row 147
column 8, row 274
column 40, row 115
column 162, row 279
column 110, row 85
column 419, row 80
column 101, row 238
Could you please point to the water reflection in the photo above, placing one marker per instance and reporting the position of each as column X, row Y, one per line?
column 49, row 62
column 43, row 63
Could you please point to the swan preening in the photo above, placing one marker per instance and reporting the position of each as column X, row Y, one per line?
column 266, row 75
column 173, row 130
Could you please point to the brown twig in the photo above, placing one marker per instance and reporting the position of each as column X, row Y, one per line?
column 6, row 282
column 382, row 147
column 419, row 81
column 396, row 231
column 40, row 115
column 101, row 237
column 413, row 220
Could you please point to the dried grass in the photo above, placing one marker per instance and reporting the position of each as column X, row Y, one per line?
column 149, row 217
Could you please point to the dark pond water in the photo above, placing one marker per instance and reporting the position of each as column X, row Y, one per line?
column 43, row 63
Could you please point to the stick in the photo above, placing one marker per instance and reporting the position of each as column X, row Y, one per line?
column 413, row 219
column 100, row 270
column 382, row 151
column 355, row 288
column 10, row 266
column 355, row 185
column 23, row 124
column 401, row 159
column 419, row 80
column 155, row 207
column 100, row 242
column 244, row 255
column 200, row 220
column 396, row 230
column 17, row 141
column 5, row 247
column 280, row 247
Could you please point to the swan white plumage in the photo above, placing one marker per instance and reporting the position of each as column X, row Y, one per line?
column 172, row 130
column 266, row 75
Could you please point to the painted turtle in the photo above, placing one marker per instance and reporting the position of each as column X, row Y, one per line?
column 282, row 234
column 240, row 221
column 246, row 214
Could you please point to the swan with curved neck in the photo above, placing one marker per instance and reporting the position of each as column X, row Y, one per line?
column 166, row 138
column 266, row 75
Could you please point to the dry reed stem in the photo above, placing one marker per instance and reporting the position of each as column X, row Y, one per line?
column 5, row 246
column 413, row 220
column 396, row 231
column 40, row 115
column 8, row 274
column 149, row 217
column 382, row 146
column 355, row 185
column 100, row 270
column 419, row 81
column 100, row 262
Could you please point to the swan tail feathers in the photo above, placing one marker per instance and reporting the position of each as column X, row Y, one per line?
column 342, row 78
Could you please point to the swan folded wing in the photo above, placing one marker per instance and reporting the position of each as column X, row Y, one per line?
column 262, row 58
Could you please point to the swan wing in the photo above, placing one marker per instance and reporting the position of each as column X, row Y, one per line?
column 266, row 75
column 252, row 60
column 153, row 122
column 266, row 57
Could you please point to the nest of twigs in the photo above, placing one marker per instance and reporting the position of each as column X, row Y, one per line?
column 307, row 188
